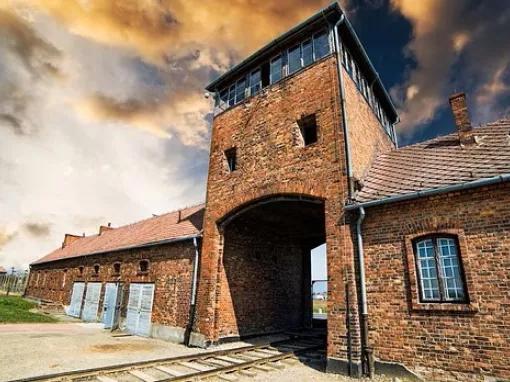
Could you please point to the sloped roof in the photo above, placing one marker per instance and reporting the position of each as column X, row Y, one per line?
column 438, row 163
column 2, row 269
column 158, row 229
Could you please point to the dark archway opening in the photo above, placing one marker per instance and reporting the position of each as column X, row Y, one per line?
column 267, row 265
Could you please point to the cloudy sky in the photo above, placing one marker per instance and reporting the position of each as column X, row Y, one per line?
column 102, row 113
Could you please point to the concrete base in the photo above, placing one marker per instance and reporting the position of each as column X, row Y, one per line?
column 168, row 333
column 341, row 366
column 394, row 369
column 198, row 340
column 391, row 369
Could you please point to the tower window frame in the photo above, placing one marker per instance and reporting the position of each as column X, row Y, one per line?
column 276, row 69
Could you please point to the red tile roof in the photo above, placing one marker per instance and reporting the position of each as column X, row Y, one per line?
column 172, row 225
column 439, row 162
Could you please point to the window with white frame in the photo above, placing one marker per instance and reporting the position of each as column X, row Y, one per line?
column 255, row 82
column 240, row 90
column 276, row 69
column 294, row 59
column 307, row 52
column 321, row 46
column 439, row 269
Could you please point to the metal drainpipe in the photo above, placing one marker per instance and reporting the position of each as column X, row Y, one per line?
column 192, row 307
column 348, row 160
column 367, row 355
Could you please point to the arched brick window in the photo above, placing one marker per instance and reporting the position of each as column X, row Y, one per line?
column 96, row 269
column 439, row 269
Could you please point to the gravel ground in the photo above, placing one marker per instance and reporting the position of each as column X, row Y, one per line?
column 301, row 373
column 29, row 350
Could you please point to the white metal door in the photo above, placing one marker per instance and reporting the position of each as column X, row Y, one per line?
column 109, row 304
column 91, row 305
column 76, row 300
column 139, row 312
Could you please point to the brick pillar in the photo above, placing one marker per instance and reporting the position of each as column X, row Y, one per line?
column 344, row 336
column 205, row 328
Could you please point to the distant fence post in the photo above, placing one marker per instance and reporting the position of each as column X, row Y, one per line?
column 13, row 283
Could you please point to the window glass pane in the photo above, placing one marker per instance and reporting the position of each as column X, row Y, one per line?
column 427, row 270
column 294, row 59
column 307, row 52
column 450, row 269
column 255, row 82
column 232, row 95
column 224, row 97
column 240, row 90
column 348, row 62
column 276, row 69
column 321, row 45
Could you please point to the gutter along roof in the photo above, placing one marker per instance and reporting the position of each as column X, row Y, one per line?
column 170, row 227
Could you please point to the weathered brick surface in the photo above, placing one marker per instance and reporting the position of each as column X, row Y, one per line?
column 442, row 341
column 170, row 269
column 367, row 138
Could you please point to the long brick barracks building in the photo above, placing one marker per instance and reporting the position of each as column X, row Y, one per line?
column 303, row 153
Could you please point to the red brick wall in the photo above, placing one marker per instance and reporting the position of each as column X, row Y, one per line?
column 170, row 269
column 367, row 138
column 461, row 340
column 261, row 286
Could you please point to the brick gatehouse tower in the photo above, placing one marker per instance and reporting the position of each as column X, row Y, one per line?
column 280, row 173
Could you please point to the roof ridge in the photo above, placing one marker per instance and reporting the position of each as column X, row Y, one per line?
column 155, row 217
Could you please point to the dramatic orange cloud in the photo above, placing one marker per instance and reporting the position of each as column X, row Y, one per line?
column 155, row 29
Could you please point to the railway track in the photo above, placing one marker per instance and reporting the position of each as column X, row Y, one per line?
column 222, row 365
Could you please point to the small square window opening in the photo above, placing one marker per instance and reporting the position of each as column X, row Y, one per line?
column 308, row 127
column 144, row 266
column 231, row 156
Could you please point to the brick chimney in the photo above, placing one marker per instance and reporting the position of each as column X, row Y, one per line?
column 68, row 239
column 460, row 112
column 104, row 228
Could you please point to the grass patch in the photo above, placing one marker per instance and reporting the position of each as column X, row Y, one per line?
column 320, row 306
column 14, row 309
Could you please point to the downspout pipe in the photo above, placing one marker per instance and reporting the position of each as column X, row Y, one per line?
column 348, row 160
column 366, row 351
column 192, row 308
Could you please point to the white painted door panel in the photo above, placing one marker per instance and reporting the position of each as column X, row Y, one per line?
column 109, row 305
column 91, row 306
column 139, row 312
column 76, row 300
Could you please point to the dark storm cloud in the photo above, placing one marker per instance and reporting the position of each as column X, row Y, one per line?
column 457, row 46
column 36, row 55
column 37, row 228
column 11, row 121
